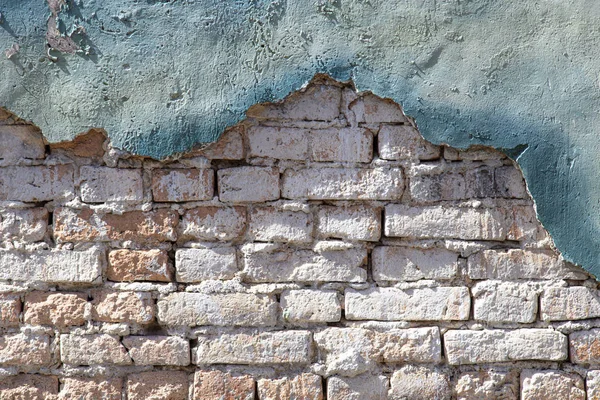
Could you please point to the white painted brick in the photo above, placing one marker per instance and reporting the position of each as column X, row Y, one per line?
column 158, row 350
column 280, row 143
column 445, row 222
column 584, row 347
column 310, row 306
column 392, row 263
column 198, row 309
column 497, row 301
column 27, row 225
column 569, row 303
column 345, row 144
column 92, row 350
column 492, row 346
column 173, row 185
column 20, row 141
column 213, row 223
column 399, row 142
column 339, row 262
column 442, row 187
column 248, row 184
column 267, row 348
column 349, row 223
column 541, row 385
column 268, row 224
column 420, row 383
column 363, row 387
column 343, row 184
column 99, row 184
column 196, row 265
column 392, row 304
column 34, row 184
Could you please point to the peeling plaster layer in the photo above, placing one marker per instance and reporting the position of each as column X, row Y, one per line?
column 161, row 76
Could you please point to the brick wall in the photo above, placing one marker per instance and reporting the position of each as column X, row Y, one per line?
column 320, row 250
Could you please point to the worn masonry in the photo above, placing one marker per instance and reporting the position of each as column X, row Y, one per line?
column 321, row 249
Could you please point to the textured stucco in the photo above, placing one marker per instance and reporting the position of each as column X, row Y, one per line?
column 160, row 76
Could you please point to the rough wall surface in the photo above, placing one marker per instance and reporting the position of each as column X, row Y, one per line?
column 322, row 249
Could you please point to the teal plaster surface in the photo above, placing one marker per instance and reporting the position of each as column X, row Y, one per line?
column 161, row 76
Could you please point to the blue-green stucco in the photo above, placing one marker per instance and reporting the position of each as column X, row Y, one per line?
column 161, row 76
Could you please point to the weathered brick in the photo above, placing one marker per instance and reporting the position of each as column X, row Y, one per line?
column 488, row 384
column 498, row 345
column 445, row 222
column 284, row 347
column 342, row 144
column 310, row 306
column 337, row 262
column 417, row 345
column 480, row 182
column 426, row 189
column 585, row 347
column 10, row 308
column 592, row 384
column 248, row 184
column 100, row 184
column 88, row 144
column 175, row 185
column 524, row 225
column 158, row 385
column 92, row 350
column 346, row 351
column 569, row 303
column 27, row 225
column 269, row 224
column 363, row 387
column 392, row 304
column 55, row 266
column 158, row 350
column 280, row 143
column 392, row 263
column 510, row 183
column 213, row 223
column 399, row 142
column 139, row 265
column 28, row 387
column 217, row 385
column 305, row 387
column 20, row 141
column 196, row 265
column 542, row 385
column 138, row 226
column 128, row 307
column 56, row 309
column 22, row 349
column 497, row 301
column 197, row 309
column 370, row 109
column 420, row 383
column 343, row 184
column 35, row 184
column 349, row 223
column 480, row 153
column 230, row 146
column 80, row 388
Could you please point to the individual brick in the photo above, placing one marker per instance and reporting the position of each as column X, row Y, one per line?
column 213, row 223
column 440, row 222
column 26, row 225
column 363, row 387
column 524, row 225
column 35, row 184
column 418, row 345
column 346, row 351
column 139, row 265
column 217, row 385
column 488, row 384
column 342, row 144
column 593, row 385
column 128, row 307
column 88, row 144
column 158, row 350
column 55, row 266
column 25, row 350
column 585, row 347
column 392, row 263
column 138, row 226
column 197, row 309
column 329, row 262
column 20, row 141
column 520, row 264
column 480, row 182
column 480, row 153
column 100, row 184
column 426, row 189
column 266, row 348
column 176, row 185
column 420, row 383
column 60, row 310
column 497, row 345
column 400, row 142
column 569, row 303
column 542, row 385
column 349, row 223
column 269, row 224
column 10, row 308
column 196, row 265
column 158, row 385
column 92, row 350
column 510, row 183
column 497, row 301
column 343, row 183
column 392, row 304
column 310, row 306
column 304, row 386
column 280, row 143
column 229, row 146
column 371, row 109
column 28, row 387
column 248, row 184
column 80, row 388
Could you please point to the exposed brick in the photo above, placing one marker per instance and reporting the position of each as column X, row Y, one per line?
column 344, row 144
column 129, row 307
column 480, row 182
column 175, row 185
column 25, row 350
column 158, row 385
column 20, row 141
column 196, row 265
column 349, row 223
column 27, row 225
column 542, row 385
column 10, row 308
column 569, row 303
column 230, row 146
column 100, row 184
column 28, row 387
column 585, row 347
column 57, row 309
column 35, row 184
column 592, row 384
column 488, row 384
column 420, row 383
column 363, row 387
column 305, row 387
column 480, row 153
column 89, row 144
column 92, row 350
column 426, row 189
column 268, row 224
column 370, row 109
column 399, row 142
column 217, row 385
column 393, row 263
column 346, row 351
column 213, row 223
column 416, row 345
column 497, row 301
column 158, row 350
column 524, row 225
column 248, row 184
column 510, row 183
column 80, row 388
column 280, row 143
column 139, row 265
column 310, row 306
